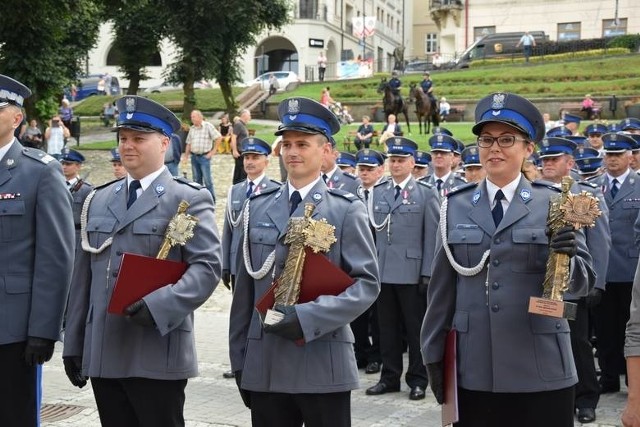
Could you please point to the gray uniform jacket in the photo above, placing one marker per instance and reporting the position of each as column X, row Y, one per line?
column 406, row 244
column 36, row 256
column 598, row 237
column 326, row 362
column 452, row 182
column 79, row 195
column 111, row 345
column 632, row 338
column 344, row 181
column 501, row 347
column 623, row 212
column 230, row 234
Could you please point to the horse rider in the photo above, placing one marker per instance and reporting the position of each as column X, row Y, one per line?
column 395, row 85
column 427, row 87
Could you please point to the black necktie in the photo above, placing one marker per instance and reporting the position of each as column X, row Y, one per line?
column 439, row 184
column 325, row 178
column 133, row 194
column 397, row 192
column 614, row 188
column 497, row 211
column 295, row 200
column 366, row 194
column 249, row 189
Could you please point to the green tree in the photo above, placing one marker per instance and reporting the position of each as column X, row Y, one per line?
column 43, row 44
column 138, row 27
column 211, row 35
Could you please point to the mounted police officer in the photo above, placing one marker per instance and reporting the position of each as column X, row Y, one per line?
column 427, row 87
column 395, row 84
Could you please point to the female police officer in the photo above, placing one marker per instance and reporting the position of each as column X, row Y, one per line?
column 513, row 367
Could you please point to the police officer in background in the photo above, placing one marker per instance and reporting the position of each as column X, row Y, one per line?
column 36, row 260
column 442, row 178
column 139, row 363
column 594, row 134
column 346, row 162
column 71, row 161
column 404, row 214
column 282, row 382
column 558, row 162
column 423, row 160
column 333, row 176
column 589, row 163
column 621, row 189
column 473, row 169
column 116, row 164
column 510, row 363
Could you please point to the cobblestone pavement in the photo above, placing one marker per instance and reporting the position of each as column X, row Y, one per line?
column 213, row 401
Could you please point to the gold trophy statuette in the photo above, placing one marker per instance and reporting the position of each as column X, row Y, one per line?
column 302, row 232
column 578, row 210
column 179, row 230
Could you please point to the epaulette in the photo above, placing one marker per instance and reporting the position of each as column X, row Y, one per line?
column 184, row 180
column 275, row 181
column 425, row 183
column 588, row 184
column 350, row 175
column 547, row 184
column 380, row 183
column 264, row 192
column 461, row 188
column 342, row 193
column 38, row 155
column 459, row 178
column 106, row 184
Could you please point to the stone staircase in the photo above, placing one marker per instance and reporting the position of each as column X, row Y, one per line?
column 251, row 98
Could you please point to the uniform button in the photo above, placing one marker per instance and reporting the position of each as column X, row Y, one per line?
column 334, row 335
column 495, row 285
column 316, row 332
column 534, row 236
column 464, row 237
column 96, row 228
column 114, row 274
column 557, row 325
column 495, row 308
column 118, row 253
column 154, row 228
column 496, row 262
column 497, row 241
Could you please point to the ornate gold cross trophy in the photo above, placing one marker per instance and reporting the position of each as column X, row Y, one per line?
column 179, row 230
column 579, row 210
column 302, row 232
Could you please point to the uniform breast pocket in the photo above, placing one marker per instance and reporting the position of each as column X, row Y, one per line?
column 630, row 210
column 99, row 230
column 530, row 250
column 412, row 214
column 12, row 219
column 465, row 245
column 263, row 242
column 152, row 232
column 380, row 212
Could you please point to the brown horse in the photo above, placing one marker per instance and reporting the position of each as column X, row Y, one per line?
column 424, row 109
column 393, row 105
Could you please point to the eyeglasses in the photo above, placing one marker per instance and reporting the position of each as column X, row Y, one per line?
column 504, row 141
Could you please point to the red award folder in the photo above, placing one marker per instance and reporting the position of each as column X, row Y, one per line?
column 450, row 406
column 139, row 276
column 319, row 277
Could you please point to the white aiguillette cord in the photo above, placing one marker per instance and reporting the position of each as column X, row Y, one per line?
column 465, row 271
column 268, row 263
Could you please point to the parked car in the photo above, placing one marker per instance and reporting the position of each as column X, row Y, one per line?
column 285, row 78
column 168, row 86
column 416, row 67
column 88, row 86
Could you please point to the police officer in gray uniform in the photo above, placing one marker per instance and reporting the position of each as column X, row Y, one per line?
column 139, row 363
column 255, row 153
column 621, row 187
column 36, row 260
column 71, row 161
column 302, row 369
column 334, row 177
column 404, row 213
column 513, row 367
column 557, row 162
column 442, row 178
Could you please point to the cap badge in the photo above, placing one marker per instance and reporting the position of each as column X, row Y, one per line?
column 545, row 142
column 397, row 140
column 614, row 137
column 130, row 105
column 440, row 138
column 473, row 150
column 293, row 106
column 498, row 101
column 366, row 152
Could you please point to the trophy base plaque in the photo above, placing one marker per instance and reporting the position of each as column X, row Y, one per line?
column 552, row 308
